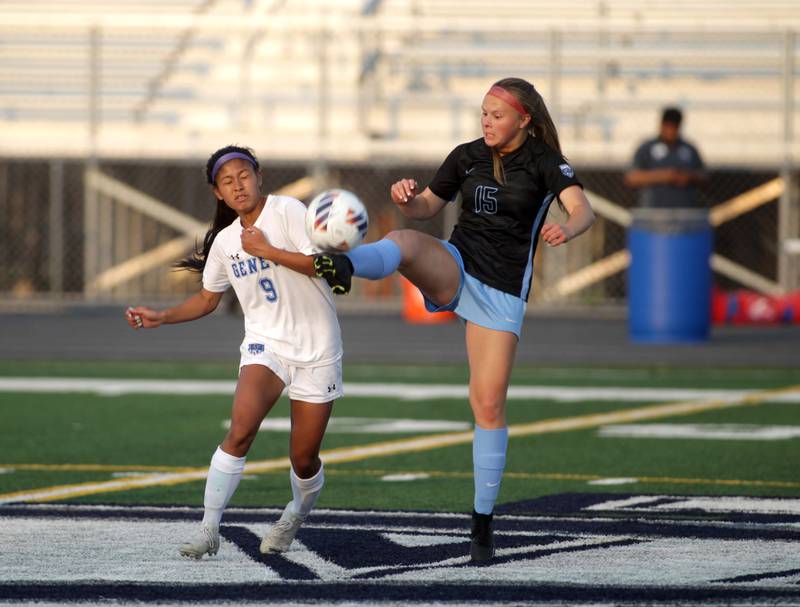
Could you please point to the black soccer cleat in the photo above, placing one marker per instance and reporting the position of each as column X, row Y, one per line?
column 336, row 269
column 481, row 548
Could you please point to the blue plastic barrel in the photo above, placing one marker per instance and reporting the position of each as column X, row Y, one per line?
column 669, row 278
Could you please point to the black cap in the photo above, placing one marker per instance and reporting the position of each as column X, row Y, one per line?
column 672, row 115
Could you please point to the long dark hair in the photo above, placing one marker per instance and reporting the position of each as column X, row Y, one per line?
column 541, row 125
column 223, row 216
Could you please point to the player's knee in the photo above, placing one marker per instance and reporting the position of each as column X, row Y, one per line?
column 489, row 410
column 238, row 441
column 305, row 463
column 407, row 241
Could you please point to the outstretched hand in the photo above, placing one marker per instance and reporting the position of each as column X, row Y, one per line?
column 404, row 191
column 141, row 317
column 555, row 234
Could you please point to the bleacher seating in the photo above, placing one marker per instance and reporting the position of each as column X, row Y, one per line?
column 402, row 77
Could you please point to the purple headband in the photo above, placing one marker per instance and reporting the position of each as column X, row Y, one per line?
column 225, row 158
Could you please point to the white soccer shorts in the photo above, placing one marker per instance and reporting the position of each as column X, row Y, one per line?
column 319, row 384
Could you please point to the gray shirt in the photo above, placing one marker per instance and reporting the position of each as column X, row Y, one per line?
column 655, row 154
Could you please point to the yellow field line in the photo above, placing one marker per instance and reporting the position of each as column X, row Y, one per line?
column 557, row 476
column 95, row 468
column 382, row 449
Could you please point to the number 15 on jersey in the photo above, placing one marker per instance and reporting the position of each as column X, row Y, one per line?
column 485, row 201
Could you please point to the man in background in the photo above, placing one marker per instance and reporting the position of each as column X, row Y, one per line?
column 667, row 169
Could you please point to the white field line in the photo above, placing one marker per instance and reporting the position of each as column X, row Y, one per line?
column 368, row 425
column 748, row 432
column 407, row 445
column 402, row 391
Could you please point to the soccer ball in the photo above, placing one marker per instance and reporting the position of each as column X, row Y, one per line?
column 336, row 220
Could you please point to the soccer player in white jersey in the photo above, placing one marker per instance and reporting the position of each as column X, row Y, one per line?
column 258, row 245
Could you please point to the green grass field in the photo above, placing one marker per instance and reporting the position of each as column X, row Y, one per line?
column 57, row 439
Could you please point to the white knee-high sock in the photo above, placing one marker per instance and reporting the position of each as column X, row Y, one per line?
column 224, row 475
column 305, row 491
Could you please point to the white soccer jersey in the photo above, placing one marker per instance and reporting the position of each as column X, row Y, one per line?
column 292, row 313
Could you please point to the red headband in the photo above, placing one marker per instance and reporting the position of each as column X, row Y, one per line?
column 501, row 93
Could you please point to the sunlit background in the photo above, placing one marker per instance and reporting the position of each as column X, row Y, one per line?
column 108, row 111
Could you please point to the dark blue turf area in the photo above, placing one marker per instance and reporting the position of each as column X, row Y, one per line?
column 363, row 546
column 370, row 593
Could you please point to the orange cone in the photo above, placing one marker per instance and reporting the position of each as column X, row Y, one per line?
column 414, row 307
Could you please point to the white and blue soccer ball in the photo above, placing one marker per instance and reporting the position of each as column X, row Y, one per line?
column 336, row 221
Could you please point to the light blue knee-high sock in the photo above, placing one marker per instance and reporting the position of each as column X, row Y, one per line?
column 375, row 260
column 488, row 460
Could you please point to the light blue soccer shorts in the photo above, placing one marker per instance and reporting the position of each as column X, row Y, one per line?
column 479, row 303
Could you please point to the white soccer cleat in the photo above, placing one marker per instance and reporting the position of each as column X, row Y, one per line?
column 281, row 534
column 206, row 543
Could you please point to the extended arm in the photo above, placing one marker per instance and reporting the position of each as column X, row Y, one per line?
column 194, row 307
column 255, row 243
column 413, row 205
column 581, row 217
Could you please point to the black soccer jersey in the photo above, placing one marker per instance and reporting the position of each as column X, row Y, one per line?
column 498, row 227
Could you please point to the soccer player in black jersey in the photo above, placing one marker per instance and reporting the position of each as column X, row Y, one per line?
column 507, row 180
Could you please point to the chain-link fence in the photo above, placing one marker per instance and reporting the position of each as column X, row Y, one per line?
column 147, row 215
